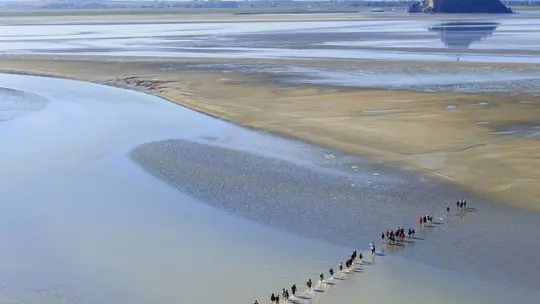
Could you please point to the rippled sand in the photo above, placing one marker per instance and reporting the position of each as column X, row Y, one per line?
column 293, row 209
column 110, row 233
column 344, row 200
column 452, row 136
column 15, row 104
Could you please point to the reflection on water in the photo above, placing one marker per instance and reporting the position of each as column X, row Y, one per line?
column 460, row 35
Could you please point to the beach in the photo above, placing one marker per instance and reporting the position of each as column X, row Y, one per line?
column 481, row 141
column 104, row 230
column 274, row 167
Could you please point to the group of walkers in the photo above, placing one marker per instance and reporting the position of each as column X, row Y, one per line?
column 354, row 258
column 461, row 204
column 389, row 237
column 285, row 294
column 428, row 218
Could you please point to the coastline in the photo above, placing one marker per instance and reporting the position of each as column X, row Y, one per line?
column 255, row 181
column 487, row 167
column 142, row 218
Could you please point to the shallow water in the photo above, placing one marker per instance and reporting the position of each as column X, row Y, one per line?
column 14, row 103
column 328, row 39
column 82, row 223
column 489, row 40
column 416, row 77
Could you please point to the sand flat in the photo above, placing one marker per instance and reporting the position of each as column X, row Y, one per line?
column 437, row 134
column 96, row 228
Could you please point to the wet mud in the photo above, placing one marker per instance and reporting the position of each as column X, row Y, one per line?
column 344, row 200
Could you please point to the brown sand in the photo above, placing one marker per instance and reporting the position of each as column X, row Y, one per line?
column 422, row 135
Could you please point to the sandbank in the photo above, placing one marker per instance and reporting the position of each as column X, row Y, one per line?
column 456, row 137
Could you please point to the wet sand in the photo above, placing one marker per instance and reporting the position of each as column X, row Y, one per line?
column 96, row 228
column 490, row 39
column 281, row 198
column 484, row 142
column 82, row 223
column 324, row 197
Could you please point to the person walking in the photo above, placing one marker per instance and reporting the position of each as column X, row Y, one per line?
column 309, row 284
column 273, row 298
column 293, row 290
column 331, row 271
column 321, row 276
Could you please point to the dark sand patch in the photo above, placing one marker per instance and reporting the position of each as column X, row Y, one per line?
column 321, row 202
column 15, row 104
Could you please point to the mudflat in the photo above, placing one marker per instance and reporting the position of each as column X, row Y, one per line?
column 486, row 142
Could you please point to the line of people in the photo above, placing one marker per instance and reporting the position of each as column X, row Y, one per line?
column 355, row 257
column 388, row 237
